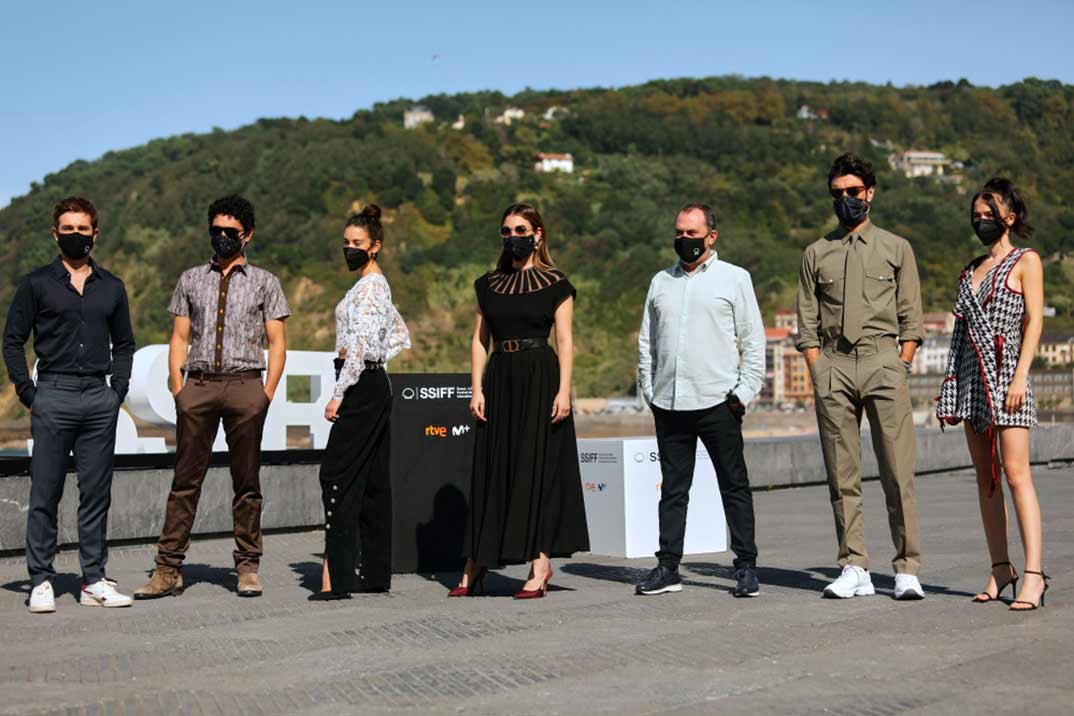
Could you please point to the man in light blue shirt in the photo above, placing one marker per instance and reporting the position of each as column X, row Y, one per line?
column 701, row 360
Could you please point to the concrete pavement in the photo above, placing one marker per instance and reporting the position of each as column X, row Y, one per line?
column 591, row 646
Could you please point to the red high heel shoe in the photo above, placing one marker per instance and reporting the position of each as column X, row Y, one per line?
column 477, row 584
column 539, row 592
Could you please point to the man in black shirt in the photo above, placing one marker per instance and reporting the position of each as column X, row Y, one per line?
column 78, row 315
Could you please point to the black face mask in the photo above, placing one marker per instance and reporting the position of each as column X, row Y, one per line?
column 690, row 250
column 225, row 246
column 520, row 247
column 356, row 258
column 850, row 210
column 989, row 231
column 75, row 245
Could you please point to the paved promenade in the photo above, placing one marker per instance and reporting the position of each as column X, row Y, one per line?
column 591, row 647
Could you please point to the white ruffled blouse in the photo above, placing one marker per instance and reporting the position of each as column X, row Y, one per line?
column 369, row 327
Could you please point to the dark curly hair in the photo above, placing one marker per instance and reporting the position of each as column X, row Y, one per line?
column 236, row 207
column 75, row 205
column 368, row 219
column 852, row 164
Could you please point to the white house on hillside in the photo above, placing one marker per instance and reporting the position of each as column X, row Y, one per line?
column 416, row 116
column 554, row 163
column 510, row 115
column 919, row 163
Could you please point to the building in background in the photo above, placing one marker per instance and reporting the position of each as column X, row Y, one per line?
column 788, row 320
column 1057, row 349
column 554, row 163
column 939, row 323
column 417, row 116
column 459, row 123
column 931, row 356
column 787, row 378
column 511, row 114
column 919, row 163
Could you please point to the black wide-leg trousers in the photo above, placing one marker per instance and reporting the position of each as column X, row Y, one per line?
column 677, row 433
column 356, row 486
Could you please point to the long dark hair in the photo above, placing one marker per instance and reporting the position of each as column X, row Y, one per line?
column 1003, row 190
column 542, row 259
column 368, row 219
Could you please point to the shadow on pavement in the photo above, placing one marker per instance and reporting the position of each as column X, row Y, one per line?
column 309, row 574
column 496, row 584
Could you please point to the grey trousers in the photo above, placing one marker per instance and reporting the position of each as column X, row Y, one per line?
column 71, row 414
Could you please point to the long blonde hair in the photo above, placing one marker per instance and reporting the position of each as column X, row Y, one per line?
column 542, row 258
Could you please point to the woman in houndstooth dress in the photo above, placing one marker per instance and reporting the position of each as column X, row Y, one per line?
column 999, row 316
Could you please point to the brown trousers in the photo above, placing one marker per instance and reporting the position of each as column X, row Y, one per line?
column 868, row 378
column 200, row 406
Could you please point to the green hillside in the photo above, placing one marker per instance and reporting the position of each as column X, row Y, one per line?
column 639, row 152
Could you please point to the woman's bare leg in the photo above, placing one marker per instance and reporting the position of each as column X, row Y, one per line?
column 993, row 508
column 1014, row 442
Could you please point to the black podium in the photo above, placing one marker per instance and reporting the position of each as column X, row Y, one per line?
column 432, row 450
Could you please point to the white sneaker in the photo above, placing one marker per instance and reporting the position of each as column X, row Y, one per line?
column 853, row 582
column 102, row 593
column 42, row 600
column 907, row 587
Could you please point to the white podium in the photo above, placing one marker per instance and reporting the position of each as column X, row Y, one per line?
column 621, row 484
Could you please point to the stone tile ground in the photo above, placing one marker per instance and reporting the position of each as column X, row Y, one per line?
column 592, row 647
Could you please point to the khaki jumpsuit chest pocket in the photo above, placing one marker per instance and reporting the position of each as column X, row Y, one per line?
column 830, row 288
column 879, row 284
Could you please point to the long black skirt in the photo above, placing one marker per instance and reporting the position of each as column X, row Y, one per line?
column 356, row 486
column 526, row 490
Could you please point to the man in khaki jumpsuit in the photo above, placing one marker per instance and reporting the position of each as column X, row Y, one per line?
column 859, row 318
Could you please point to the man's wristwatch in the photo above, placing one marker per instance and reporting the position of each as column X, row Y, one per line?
column 909, row 365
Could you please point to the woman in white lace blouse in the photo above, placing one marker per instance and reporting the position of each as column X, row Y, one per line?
column 355, row 483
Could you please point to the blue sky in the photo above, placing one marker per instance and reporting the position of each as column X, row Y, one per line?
column 82, row 78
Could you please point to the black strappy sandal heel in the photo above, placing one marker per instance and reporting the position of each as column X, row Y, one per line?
column 1013, row 581
column 1044, row 591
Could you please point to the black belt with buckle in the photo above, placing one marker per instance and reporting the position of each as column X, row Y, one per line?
column 200, row 376
column 338, row 363
column 515, row 345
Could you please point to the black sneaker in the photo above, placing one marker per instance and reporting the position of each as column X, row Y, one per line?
column 747, row 583
column 660, row 581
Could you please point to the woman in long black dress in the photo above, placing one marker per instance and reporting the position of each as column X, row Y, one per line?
column 526, row 493
column 355, row 481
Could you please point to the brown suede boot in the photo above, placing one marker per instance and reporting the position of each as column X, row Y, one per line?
column 249, row 584
column 166, row 581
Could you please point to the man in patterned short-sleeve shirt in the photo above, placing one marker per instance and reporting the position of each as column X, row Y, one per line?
column 224, row 311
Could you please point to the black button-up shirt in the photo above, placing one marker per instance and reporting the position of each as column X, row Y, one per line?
column 84, row 335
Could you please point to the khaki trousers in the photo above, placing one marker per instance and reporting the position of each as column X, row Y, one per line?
column 868, row 377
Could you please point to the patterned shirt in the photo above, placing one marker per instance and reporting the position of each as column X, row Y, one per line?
column 369, row 328
column 228, row 315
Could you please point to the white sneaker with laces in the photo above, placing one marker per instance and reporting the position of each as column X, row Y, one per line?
column 102, row 593
column 907, row 587
column 42, row 600
column 853, row 582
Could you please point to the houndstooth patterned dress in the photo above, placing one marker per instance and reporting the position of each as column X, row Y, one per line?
column 985, row 348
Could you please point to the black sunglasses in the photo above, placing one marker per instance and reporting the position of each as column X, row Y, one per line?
column 853, row 191
column 230, row 231
column 520, row 230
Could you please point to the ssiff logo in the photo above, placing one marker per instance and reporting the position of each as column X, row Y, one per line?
column 595, row 486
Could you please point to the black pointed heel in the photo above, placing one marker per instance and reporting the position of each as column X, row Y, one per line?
column 1044, row 591
column 1013, row 581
